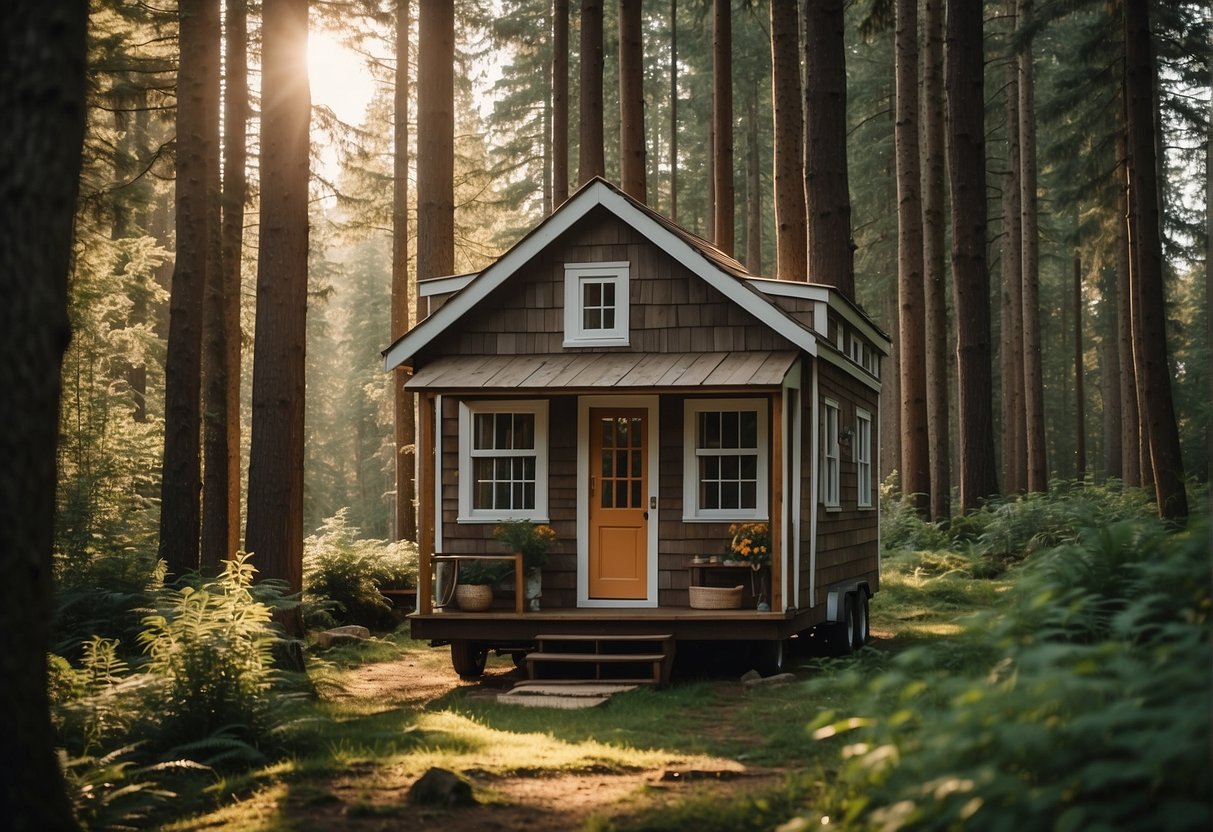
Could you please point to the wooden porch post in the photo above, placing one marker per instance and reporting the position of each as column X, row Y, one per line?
column 425, row 498
column 777, row 462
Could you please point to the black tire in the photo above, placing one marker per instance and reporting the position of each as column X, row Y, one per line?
column 862, row 629
column 468, row 658
column 849, row 628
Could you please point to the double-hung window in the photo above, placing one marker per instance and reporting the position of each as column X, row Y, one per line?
column 863, row 457
column 503, row 461
column 725, row 459
column 829, row 454
column 595, row 304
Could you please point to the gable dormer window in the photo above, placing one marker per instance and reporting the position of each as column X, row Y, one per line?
column 596, row 304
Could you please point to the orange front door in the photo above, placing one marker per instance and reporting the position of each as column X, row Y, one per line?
column 618, row 556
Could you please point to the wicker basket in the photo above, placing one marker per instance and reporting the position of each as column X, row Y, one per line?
column 715, row 597
column 473, row 597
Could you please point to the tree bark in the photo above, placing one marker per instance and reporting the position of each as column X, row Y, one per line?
column 1033, row 386
column 753, row 187
column 560, row 102
column 723, row 204
column 831, row 257
column 403, row 307
column 1011, row 342
column 221, row 316
column 1080, row 413
column 275, row 491
column 632, row 171
column 791, row 240
column 1109, row 374
column 196, row 192
column 1146, row 274
column 435, row 140
column 591, row 158
column 970, row 277
column 674, row 110
column 1130, row 424
column 915, row 446
column 933, row 257
column 42, row 59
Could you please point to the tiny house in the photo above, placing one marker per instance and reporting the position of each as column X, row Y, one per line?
column 640, row 392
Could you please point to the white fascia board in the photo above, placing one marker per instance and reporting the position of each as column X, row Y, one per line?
column 860, row 321
column 493, row 276
column 830, row 354
column 822, row 294
column 444, row 285
column 726, row 284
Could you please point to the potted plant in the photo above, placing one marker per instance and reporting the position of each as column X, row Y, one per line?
column 474, row 591
column 534, row 541
column 751, row 544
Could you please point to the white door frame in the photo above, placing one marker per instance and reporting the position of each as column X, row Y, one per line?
column 651, row 406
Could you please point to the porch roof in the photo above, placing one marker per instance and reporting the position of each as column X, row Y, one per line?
column 616, row 370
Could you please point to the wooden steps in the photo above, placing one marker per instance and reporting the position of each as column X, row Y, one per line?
column 627, row 659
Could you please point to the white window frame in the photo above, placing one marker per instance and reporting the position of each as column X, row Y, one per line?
column 467, row 412
column 691, row 454
column 576, row 275
column 862, row 451
column 831, row 463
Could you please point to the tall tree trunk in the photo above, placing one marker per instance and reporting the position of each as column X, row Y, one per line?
column 221, row 319
column 560, row 102
column 1130, row 424
column 1209, row 286
column 970, row 277
column 753, row 187
column 1109, row 374
column 591, row 161
column 402, row 289
column 915, row 446
column 674, row 110
column 435, row 140
column 1011, row 342
column 631, row 101
column 890, row 411
column 831, row 258
column 723, row 204
column 1033, row 386
column 1146, row 273
column 42, row 59
column 933, row 258
column 197, row 194
column 275, row 490
column 791, row 240
column 235, row 195
column 1080, row 414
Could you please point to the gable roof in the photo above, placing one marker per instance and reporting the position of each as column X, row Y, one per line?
column 702, row 258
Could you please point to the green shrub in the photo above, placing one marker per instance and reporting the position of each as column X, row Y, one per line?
column 900, row 525
column 105, row 596
column 342, row 574
column 210, row 650
column 1094, row 713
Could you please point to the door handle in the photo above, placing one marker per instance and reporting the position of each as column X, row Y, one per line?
column 646, row 515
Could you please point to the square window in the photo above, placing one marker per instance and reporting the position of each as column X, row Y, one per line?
column 725, row 459
column 595, row 304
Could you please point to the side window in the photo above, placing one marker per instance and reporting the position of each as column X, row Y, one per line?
column 595, row 304
column 863, row 457
column 829, row 454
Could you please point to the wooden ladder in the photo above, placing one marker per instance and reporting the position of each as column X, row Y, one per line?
column 631, row 659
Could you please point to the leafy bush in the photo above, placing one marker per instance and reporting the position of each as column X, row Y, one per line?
column 104, row 596
column 343, row 574
column 1094, row 714
column 210, row 652
column 900, row 525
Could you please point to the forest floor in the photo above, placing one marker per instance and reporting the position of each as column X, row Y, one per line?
column 535, row 799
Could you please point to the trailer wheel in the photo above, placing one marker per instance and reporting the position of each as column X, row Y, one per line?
column 468, row 658
column 861, row 627
column 849, row 627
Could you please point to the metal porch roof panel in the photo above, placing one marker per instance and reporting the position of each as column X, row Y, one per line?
column 619, row 370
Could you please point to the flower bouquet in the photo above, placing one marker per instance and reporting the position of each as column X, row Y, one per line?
column 751, row 544
column 534, row 540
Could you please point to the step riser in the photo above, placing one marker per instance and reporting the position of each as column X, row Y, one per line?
column 604, row 657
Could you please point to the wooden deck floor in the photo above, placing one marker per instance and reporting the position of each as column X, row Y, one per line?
column 506, row 625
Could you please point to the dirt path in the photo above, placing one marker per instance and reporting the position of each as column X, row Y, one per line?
column 537, row 803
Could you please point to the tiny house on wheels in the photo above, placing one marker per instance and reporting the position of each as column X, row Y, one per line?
column 700, row 440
